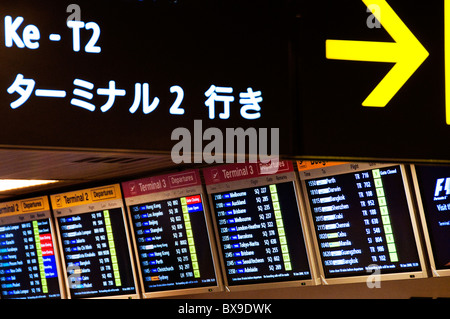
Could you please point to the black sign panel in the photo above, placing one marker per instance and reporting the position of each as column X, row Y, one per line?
column 333, row 88
column 124, row 74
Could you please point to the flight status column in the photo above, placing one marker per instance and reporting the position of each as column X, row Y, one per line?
column 359, row 218
column 259, row 226
column 189, row 205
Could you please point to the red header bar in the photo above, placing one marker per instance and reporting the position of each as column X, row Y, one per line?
column 240, row 171
column 161, row 183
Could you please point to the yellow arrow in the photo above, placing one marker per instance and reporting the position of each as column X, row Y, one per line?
column 406, row 52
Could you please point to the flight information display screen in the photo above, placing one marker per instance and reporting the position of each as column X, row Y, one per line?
column 172, row 241
column 362, row 220
column 28, row 268
column 171, row 234
column 259, row 226
column 94, row 243
column 434, row 186
column 261, row 234
column 97, row 260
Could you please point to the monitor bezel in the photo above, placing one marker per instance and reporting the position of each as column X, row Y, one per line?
column 14, row 218
column 356, row 167
column 263, row 181
column 430, row 251
column 88, row 208
column 166, row 195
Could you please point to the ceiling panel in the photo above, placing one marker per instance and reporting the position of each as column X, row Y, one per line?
column 72, row 167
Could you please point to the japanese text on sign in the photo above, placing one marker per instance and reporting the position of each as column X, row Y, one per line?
column 218, row 98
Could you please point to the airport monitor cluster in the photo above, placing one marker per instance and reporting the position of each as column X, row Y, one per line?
column 234, row 227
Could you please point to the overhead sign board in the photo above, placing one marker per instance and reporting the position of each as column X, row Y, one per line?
column 363, row 79
column 125, row 74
